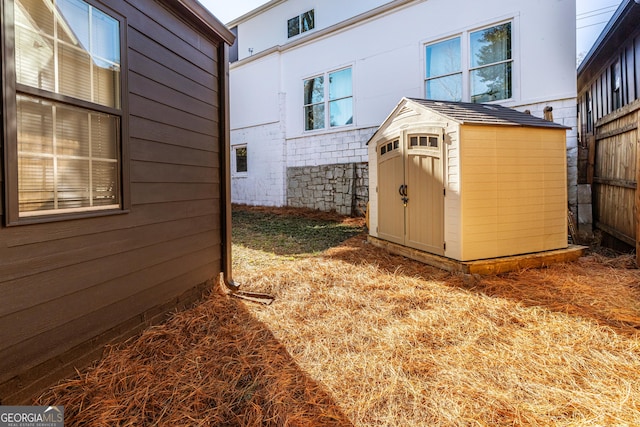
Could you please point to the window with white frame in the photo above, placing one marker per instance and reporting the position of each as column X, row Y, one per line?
column 240, row 165
column 65, row 153
column 301, row 23
column 328, row 100
column 485, row 75
column 444, row 70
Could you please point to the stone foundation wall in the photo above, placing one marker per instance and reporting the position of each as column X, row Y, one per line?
column 343, row 187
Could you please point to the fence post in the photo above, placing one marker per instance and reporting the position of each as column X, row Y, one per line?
column 636, row 209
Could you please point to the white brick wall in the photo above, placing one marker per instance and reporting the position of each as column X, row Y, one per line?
column 269, row 155
column 348, row 146
column 264, row 183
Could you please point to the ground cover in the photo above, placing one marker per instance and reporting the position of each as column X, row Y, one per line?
column 359, row 337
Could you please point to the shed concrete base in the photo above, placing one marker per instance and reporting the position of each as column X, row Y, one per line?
column 485, row 266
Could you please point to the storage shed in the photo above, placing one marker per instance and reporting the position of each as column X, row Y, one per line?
column 468, row 181
column 114, row 181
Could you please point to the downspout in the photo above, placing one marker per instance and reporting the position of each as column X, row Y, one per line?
column 225, row 183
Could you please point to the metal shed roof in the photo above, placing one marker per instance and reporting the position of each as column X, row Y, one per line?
column 485, row 114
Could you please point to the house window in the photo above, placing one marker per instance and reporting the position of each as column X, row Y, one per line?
column 301, row 23
column 65, row 154
column 240, row 164
column 485, row 75
column 330, row 103
column 589, row 106
column 490, row 72
column 616, row 84
column 444, row 71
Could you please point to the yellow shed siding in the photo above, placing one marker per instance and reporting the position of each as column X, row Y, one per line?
column 513, row 190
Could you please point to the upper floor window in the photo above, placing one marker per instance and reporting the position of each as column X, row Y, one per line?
column 65, row 154
column 485, row 75
column 616, row 84
column 589, row 111
column 330, row 103
column 444, row 71
column 301, row 23
column 490, row 57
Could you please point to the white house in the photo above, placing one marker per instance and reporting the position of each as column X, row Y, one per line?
column 312, row 81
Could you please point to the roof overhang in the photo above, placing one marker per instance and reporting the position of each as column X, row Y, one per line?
column 254, row 12
column 623, row 24
column 201, row 16
column 466, row 113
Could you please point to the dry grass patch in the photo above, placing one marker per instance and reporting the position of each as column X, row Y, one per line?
column 360, row 337
column 400, row 343
column 213, row 365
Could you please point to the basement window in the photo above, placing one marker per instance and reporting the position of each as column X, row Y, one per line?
column 240, row 165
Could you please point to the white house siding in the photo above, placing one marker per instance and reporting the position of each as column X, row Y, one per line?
column 266, row 27
column 386, row 54
column 256, row 96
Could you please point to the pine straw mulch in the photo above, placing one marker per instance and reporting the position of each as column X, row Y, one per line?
column 360, row 337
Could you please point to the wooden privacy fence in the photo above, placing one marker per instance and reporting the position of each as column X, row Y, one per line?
column 614, row 171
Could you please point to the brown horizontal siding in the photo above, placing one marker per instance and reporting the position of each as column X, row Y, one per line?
column 142, row 16
column 67, row 283
column 136, row 273
column 153, row 151
column 160, row 73
column 26, row 280
column 31, row 327
column 149, row 109
column 141, row 128
column 172, row 173
column 64, row 337
column 22, row 387
column 139, row 42
column 60, row 232
column 164, row 95
column 172, row 192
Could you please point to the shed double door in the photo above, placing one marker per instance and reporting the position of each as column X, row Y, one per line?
column 411, row 192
